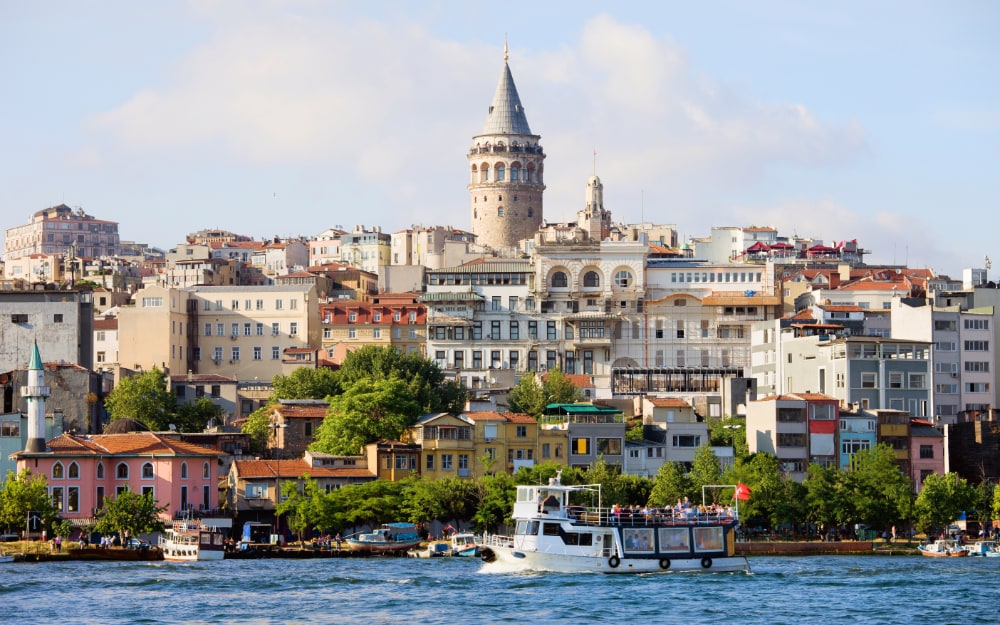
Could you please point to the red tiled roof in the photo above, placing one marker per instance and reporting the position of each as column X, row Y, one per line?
column 131, row 444
column 301, row 412
column 106, row 324
column 509, row 417
column 831, row 308
column 668, row 402
column 291, row 469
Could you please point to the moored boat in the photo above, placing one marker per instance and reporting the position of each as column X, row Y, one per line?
column 942, row 548
column 557, row 530
column 191, row 541
column 389, row 538
column 983, row 549
column 464, row 545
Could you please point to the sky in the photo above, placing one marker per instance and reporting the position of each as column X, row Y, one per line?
column 876, row 121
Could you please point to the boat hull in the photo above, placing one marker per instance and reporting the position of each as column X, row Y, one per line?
column 515, row 560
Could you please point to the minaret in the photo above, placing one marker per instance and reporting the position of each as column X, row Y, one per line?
column 506, row 170
column 34, row 394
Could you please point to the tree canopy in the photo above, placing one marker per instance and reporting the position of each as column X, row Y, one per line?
column 367, row 411
column 941, row 500
column 23, row 493
column 425, row 382
column 143, row 397
column 305, row 383
column 529, row 396
column 130, row 513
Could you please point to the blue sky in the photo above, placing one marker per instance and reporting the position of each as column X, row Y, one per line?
column 878, row 121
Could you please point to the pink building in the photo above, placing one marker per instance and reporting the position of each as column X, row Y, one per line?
column 82, row 471
column 926, row 452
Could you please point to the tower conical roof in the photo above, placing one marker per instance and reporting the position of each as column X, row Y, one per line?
column 36, row 358
column 506, row 115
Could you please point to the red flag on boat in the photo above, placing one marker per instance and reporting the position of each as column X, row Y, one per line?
column 742, row 492
column 449, row 528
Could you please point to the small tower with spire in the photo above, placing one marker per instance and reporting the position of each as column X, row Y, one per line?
column 506, row 169
column 35, row 393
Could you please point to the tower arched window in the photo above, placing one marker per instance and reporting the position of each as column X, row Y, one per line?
column 501, row 172
column 559, row 280
column 121, row 471
column 475, row 173
column 205, row 471
column 147, row 471
column 500, row 211
column 184, row 470
column 57, row 471
column 531, row 212
column 591, row 279
column 515, row 173
column 74, row 471
column 484, row 173
column 100, row 470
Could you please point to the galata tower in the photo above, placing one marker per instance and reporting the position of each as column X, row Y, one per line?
column 505, row 163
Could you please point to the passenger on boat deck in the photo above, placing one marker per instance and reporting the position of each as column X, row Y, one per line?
column 616, row 513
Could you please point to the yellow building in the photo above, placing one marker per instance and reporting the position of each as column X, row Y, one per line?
column 447, row 446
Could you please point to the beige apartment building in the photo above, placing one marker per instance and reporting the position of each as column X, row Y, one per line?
column 240, row 332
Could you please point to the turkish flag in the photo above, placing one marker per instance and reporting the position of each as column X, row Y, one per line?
column 742, row 492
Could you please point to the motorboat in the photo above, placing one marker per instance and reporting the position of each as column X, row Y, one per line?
column 566, row 529
column 388, row 538
column 192, row 541
column 942, row 548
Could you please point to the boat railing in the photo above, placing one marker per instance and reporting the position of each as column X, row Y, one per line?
column 648, row 517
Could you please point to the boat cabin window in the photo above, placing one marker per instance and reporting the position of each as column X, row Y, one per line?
column 585, row 539
column 550, row 529
column 708, row 538
column 528, row 528
column 674, row 540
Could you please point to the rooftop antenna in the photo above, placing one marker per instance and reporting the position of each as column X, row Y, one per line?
column 595, row 161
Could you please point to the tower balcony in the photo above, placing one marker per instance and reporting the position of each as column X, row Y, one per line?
column 35, row 391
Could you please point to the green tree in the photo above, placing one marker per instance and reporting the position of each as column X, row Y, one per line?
column 995, row 508
column 613, row 488
column 306, row 383
column 730, row 432
column 527, row 396
column 299, row 506
column 761, row 472
column 706, row 470
column 143, row 397
column 941, row 500
column 194, row 416
column 425, row 382
column 825, row 505
column 495, row 495
column 670, row 484
column 130, row 512
column 23, row 493
column 367, row 411
column 877, row 489
column 258, row 426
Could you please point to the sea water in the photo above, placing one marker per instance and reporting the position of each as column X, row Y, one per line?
column 859, row 590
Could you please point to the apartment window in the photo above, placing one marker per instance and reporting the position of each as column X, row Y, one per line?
column 121, row 471
column 895, row 379
column 235, row 353
column 352, row 317
column 976, row 324
column 477, row 359
column 208, row 329
column 916, row 380
column 977, row 346
column 477, row 330
column 412, row 317
column 293, row 304
column 235, row 329
column 686, row 440
column 868, row 380
column 495, row 361
column 57, row 498
column 247, row 329
column 73, row 499
column 927, row 451
column 550, row 330
column 376, row 317
column 514, row 359
column 217, row 354
column 447, row 462
column 258, row 353
column 495, row 330
column 293, row 328
column 260, row 304
column 532, row 329
column 275, row 352
column 218, row 304
column 580, row 446
column 352, row 333
column 376, row 333
column 430, row 462
column 495, row 303
column 532, row 360
column 101, row 357
column 147, row 471
column 278, row 304
column 791, row 440
column 609, row 446
column 260, row 329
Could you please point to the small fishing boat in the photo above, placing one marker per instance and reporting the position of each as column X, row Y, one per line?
column 565, row 529
column 191, row 541
column 983, row 549
column 942, row 548
column 464, row 545
column 433, row 549
column 389, row 538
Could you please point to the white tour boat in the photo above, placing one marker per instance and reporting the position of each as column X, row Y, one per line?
column 557, row 531
column 189, row 541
